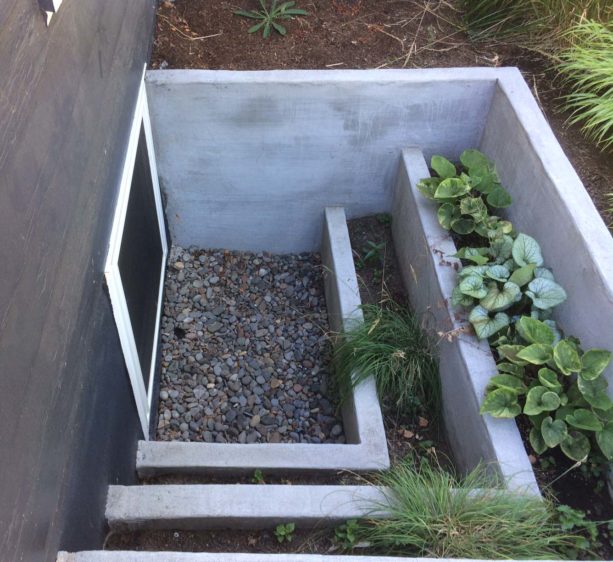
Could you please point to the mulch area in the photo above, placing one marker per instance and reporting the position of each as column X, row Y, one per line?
column 340, row 34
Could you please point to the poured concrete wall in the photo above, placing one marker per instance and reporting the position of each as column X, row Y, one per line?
column 551, row 204
column 248, row 160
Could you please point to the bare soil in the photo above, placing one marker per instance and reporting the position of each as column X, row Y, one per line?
column 341, row 34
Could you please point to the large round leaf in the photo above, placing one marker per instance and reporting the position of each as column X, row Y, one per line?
column 501, row 403
column 498, row 273
column 498, row 197
column 595, row 392
column 497, row 300
column 484, row 325
column 566, row 357
column 523, row 275
column 553, row 432
column 543, row 273
column 451, row 188
column 442, row 167
column 472, row 159
column 460, row 299
column 534, row 331
column 427, row 186
column 472, row 269
column 509, row 352
column 576, row 446
column 537, row 441
column 545, row 293
column 501, row 248
column 473, row 286
column 508, row 382
column 473, row 206
column 549, row 378
column 540, row 399
column 604, row 438
column 526, row 250
column 446, row 213
column 463, row 225
column 582, row 418
column 594, row 362
column 536, row 353
column 516, row 370
column 476, row 255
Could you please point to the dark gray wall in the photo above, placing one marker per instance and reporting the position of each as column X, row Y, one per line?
column 68, row 420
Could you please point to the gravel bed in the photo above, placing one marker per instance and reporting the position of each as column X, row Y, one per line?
column 245, row 352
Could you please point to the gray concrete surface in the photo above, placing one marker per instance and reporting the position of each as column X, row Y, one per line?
column 551, row 204
column 362, row 418
column 238, row 506
column 248, row 160
column 124, row 556
column 423, row 248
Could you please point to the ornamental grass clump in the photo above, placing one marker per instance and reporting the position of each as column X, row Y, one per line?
column 391, row 346
column 434, row 514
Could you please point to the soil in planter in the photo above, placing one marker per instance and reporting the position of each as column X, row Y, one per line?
column 580, row 487
column 245, row 350
column 307, row 541
column 380, row 281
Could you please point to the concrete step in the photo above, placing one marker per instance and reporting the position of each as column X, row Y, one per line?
column 128, row 556
column 193, row 507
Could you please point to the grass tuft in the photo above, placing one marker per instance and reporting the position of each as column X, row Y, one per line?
column 390, row 345
column 434, row 514
column 588, row 67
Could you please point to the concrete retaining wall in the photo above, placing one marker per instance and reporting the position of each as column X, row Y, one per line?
column 248, row 160
column 551, row 204
column 423, row 248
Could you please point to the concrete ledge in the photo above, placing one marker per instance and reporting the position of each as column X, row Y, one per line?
column 237, row 506
column 124, row 556
column 362, row 419
column 424, row 248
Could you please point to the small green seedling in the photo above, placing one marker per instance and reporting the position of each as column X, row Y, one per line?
column 346, row 534
column 269, row 15
column 258, row 477
column 384, row 219
column 372, row 252
column 285, row 532
column 574, row 520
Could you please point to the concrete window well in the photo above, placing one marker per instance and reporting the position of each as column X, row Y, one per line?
column 259, row 173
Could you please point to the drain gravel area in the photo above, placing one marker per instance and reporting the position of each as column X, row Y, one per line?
column 245, row 350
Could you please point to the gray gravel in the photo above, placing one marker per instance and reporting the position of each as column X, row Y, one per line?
column 245, row 355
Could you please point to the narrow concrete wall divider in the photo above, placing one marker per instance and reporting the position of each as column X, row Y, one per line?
column 424, row 251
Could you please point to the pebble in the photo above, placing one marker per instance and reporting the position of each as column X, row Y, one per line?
column 246, row 356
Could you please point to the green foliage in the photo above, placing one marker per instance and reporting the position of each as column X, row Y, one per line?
column 258, row 477
column 586, row 531
column 536, row 24
column 384, row 219
column 346, row 534
column 573, row 412
column 284, row 532
column 373, row 252
column 268, row 16
column 465, row 198
column 391, row 346
column 588, row 68
column 436, row 515
column 511, row 294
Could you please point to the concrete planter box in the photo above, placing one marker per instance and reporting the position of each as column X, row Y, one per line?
column 250, row 160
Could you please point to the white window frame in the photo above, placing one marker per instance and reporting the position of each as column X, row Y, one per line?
column 111, row 270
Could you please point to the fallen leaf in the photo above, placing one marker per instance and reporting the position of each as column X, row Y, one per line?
column 423, row 422
column 407, row 434
column 532, row 459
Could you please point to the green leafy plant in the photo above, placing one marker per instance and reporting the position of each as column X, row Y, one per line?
column 284, row 532
column 346, row 534
column 466, row 198
column 434, row 514
column 373, row 252
column 560, row 388
column 586, row 531
column 508, row 280
column 268, row 16
column 588, row 68
column 391, row 346
column 384, row 219
column 258, row 477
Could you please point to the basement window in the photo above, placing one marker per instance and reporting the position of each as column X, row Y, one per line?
column 136, row 261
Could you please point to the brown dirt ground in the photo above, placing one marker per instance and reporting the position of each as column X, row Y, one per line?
column 365, row 34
